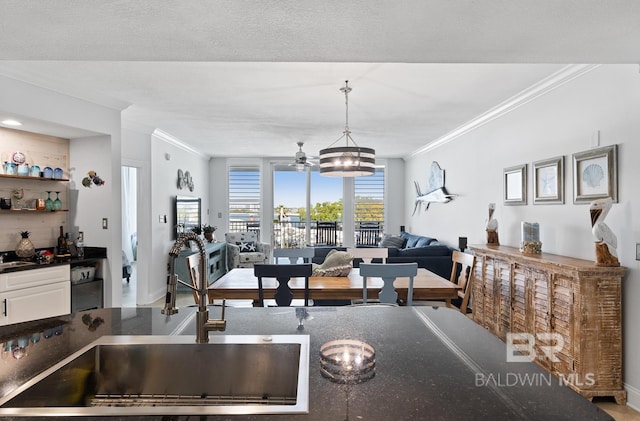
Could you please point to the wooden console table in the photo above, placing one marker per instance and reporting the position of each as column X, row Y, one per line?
column 550, row 296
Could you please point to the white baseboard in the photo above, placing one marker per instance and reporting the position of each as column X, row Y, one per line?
column 633, row 397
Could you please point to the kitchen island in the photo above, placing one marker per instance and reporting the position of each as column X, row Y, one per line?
column 431, row 362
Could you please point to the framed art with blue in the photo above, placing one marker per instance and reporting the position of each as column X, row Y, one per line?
column 595, row 174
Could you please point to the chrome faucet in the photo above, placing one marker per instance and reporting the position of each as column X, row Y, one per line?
column 204, row 325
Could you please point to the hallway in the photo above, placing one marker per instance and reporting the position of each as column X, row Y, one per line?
column 129, row 293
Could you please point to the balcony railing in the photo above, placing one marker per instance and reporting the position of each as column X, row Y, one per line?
column 293, row 234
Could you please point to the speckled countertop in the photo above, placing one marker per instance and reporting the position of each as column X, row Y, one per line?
column 431, row 363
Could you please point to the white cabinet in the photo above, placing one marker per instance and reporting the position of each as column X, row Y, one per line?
column 34, row 294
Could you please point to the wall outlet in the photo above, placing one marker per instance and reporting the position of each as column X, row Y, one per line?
column 105, row 223
column 637, row 251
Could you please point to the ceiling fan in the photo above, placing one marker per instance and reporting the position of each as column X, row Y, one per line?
column 301, row 162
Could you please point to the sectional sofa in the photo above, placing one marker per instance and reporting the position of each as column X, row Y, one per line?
column 406, row 248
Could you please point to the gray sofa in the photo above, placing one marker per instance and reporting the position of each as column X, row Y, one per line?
column 407, row 248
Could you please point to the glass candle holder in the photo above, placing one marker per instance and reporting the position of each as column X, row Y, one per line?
column 347, row 361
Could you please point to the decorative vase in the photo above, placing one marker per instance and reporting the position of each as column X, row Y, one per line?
column 209, row 236
column 25, row 248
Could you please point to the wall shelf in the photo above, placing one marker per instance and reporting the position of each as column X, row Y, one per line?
column 26, row 177
column 31, row 211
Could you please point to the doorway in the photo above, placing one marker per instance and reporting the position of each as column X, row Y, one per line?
column 130, row 282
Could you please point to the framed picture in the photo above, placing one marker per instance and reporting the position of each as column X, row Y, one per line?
column 515, row 185
column 548, row 181
column 595, row 174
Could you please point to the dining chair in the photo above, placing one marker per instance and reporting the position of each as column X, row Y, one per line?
column 388, row 272
column 462, row 275
column 367, row 254
column 294, row 254
column 326, row 233
column 368, row 233
column 193, row 266
column 282, row 273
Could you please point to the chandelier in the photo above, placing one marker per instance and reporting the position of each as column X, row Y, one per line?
column 349, row 160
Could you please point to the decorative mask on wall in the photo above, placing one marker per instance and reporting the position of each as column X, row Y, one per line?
column 92, row 178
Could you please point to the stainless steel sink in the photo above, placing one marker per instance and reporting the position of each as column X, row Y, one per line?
column 172, row 375
column 9, row 265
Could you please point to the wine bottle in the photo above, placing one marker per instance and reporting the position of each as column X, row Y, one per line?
column 62, row 243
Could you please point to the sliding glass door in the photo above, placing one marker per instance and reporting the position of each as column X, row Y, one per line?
column 306, row 207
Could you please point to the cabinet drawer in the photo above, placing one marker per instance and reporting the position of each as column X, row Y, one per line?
column 33, row 277
column 35, row 303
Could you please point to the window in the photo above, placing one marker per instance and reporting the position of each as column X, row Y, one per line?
column 369, row 208
column 244, row 199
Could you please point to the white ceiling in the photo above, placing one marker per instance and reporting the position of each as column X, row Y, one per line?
column 252, row 78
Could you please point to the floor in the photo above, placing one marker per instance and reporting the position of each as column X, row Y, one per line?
column 618, row 412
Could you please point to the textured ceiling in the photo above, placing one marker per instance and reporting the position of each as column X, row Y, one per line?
column 251, row 78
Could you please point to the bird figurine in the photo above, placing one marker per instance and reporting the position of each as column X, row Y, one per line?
column 606, row 241
column 492, row 227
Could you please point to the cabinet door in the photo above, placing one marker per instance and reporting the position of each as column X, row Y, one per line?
column 502, row 299
column 477, row 292
column 562, row 322
column 34, row 277
column 496, row 271
column 35, row 303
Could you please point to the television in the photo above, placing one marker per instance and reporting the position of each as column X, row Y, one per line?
column 187, row 214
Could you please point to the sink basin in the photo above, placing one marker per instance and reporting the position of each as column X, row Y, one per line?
column 8, row 265
column 172, row 375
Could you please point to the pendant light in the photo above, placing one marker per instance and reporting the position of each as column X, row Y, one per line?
column 349, row 160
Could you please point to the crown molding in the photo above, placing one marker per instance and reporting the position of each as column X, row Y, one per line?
column 546, row 85
column 166, row 137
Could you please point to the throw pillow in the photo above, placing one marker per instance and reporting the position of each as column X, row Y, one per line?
column 246, row 246
column 392, row 241
column 337, row 263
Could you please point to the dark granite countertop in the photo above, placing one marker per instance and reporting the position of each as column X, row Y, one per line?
column 91, row 255
column 431, row 363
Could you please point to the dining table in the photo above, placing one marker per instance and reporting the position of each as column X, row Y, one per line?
column 242, row 284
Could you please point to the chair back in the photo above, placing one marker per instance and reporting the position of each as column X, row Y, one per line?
column 283, row 273
column 367, row 254
column 388, row 272
column 462, row 275
column 326, row 233
column 193, row 266
column 368, row 233
column 293, row 254
column 240, row 237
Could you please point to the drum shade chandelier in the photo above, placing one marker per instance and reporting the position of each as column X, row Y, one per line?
column 350, row 160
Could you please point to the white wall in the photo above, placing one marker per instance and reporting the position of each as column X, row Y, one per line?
column 559, row 123
column 394, row 209
column 164, row 188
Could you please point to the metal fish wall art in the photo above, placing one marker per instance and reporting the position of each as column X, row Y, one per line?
column 436, row 192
